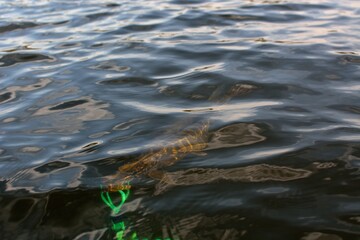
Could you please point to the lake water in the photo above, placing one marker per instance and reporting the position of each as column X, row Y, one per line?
column 267, row 92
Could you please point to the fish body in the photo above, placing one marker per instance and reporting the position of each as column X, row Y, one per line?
column 194, row 141
column 151, row 164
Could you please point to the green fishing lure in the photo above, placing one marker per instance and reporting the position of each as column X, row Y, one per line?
column 119, row 227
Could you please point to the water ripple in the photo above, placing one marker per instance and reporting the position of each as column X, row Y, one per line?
column 91, row 87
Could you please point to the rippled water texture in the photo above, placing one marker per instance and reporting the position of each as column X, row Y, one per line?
column 235, row 119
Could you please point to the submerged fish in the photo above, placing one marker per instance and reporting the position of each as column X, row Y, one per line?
column 194, row 141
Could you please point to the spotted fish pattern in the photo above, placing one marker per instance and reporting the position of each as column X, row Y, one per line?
column 194, row 141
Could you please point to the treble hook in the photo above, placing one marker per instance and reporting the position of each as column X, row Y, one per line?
column 105, row 196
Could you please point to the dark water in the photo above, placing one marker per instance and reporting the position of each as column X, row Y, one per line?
column 88, row 86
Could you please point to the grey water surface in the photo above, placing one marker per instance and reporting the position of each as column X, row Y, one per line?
column 89, row 86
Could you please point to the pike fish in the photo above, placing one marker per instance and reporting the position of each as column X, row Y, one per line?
column 194, row 141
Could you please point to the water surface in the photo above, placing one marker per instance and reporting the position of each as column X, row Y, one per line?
column 89, row 86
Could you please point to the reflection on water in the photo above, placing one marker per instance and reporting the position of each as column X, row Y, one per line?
column 254, row 173
column 233, row 120
column 69, row 117
column 11, row 59
column 235, row 135
column 9, row 93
